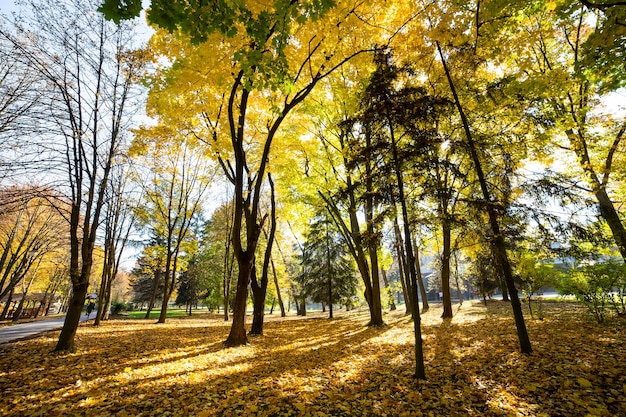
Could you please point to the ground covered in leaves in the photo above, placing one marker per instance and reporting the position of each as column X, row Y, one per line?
column 315, row 367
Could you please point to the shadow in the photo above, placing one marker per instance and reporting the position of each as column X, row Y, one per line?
column 313, row 366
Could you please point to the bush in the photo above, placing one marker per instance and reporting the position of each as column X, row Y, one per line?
column 601, row 287
column 118, row 306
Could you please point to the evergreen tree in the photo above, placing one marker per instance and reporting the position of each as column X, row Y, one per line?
column 328, row 275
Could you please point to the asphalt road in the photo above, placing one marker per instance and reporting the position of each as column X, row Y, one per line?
column 28, row 330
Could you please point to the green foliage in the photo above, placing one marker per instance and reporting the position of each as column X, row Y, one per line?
column 326, row 265
column 117, row 306
column 118, row 10
column 535, row 276
column 482, row 273
column 600, row 286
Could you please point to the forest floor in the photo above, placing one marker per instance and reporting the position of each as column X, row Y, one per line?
column 315, row 367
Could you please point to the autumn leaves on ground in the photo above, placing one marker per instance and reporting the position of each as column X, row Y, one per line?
column 315, row 367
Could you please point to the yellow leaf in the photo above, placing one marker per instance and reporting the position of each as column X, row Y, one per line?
column 300, row 406
column 584, row 383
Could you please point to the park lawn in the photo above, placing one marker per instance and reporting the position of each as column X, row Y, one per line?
column 315, row 367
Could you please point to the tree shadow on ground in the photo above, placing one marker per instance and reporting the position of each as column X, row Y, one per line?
column 314, row 366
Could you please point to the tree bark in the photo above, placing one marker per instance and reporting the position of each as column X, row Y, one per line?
column 445, row 270
column 420, row 280
column 278, row 296
column 237, row 335
column 259, row 291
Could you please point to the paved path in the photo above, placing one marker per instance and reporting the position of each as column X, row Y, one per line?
column 27, row 330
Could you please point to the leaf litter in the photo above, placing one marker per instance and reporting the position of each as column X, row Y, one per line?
column 312, row 366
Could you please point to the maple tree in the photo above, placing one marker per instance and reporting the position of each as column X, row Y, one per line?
column 280, row 53
column 578, row 66
column 31, row 239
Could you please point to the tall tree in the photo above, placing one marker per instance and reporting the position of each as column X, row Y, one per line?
column 498, row 237
column 216, row 250
column 89, row 69
column 275, row 56
column 576, row 57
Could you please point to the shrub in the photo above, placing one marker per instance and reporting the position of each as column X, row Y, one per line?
column 601, row 287
column 118, row 306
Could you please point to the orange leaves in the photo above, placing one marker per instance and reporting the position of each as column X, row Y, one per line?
column 317, row 368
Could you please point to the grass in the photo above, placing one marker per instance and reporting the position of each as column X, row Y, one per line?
column 316, row 367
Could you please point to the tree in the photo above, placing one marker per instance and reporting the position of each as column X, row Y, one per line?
column 216, row 250
column 579, row 63
column 171, row 198
column 327, row 274
column 280, row 52
column 32, row 236
column 119, row 222
column 146, row 281
column 90, row 70
column 21, row 91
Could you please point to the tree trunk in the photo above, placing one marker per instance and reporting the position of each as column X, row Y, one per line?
column 259, row 292
column 7, row 305
column 278, row 296
column 168, row 282
column 607, row 208
column 155, row 290
column 420, row 372
column 445, row 271
column 237, row 335
column 72, row 317
column 20, row 306
column 498, row 238
column 330, row 275
column 402, row 267
column 420, row 280
column 609, row 213
column 392, row 304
